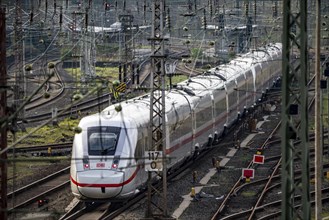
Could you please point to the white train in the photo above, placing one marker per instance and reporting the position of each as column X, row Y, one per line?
column 107, row 156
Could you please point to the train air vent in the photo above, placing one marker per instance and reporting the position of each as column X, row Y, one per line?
column 220, row 76
column 189, row 91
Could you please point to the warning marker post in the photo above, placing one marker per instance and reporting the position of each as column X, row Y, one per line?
column 259, row 159
column 248, row 173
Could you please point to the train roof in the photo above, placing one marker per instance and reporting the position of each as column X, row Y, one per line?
column 189, row 92
column 244, row 62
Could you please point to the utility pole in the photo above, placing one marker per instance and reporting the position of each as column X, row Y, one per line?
column 3, row 114
column 318, row 146
column 87, row 58
column 19, row 74
column 157, row 131
column 248, row 32
column 127, row 28
column 294, row 87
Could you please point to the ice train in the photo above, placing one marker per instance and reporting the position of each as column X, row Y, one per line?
column 107, row 156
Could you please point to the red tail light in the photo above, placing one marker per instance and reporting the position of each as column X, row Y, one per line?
column 85, row 162
column 115, row 163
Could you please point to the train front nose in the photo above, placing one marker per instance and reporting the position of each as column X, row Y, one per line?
column 99, row 184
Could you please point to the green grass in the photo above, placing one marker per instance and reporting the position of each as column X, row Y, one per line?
column 75, row 72
column 23, row 166
column 248, row 193
column 176, row 79
column 104, row 72
column 48, row 134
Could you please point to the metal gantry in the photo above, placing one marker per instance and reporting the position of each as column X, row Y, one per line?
column 157, row 131
column 294, row 87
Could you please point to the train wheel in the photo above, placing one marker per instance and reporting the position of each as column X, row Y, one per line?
column 196, row 153
column 89, row 205
column 224, row 132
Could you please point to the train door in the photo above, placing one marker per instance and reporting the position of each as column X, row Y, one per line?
column 139, row 158
column 254, row 88
column 258, row 82
column 249, row 88
column 220, row 109
column 237, row 96
column 193, row 127
column 227, row 106
column 241, row 88
column 213, row 114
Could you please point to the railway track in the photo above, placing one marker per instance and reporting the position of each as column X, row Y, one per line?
column 232, row 193
column 102, row 211
column 24, row 197
column 270, row 169
column 40, row 148
column 54, row 89
column 85, row 105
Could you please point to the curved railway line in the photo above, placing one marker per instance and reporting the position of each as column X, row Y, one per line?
column 84, row 105
column 54, row 88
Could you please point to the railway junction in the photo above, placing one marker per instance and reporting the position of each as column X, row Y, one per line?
column 229, row 101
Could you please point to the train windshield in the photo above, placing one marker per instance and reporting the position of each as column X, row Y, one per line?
column 102, row 140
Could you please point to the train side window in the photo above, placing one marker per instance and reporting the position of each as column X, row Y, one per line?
column 182, row 128
column 203, row 116
column 220, row 106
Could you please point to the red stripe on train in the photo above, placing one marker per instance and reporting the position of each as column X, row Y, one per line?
column 104, row 184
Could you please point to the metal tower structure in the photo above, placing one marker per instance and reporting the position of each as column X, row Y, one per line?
column 3, row 114
column 88, row 52
column 127, row 28
column 294, row 86
column 157, row 131
column 19, row 73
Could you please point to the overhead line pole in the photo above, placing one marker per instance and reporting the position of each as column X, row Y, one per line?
column 19, row 74
column 294, row 87
column 157, row 131
column 3, row 114
column 318, row 146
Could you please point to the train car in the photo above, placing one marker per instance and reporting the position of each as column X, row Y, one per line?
column 107, row 157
